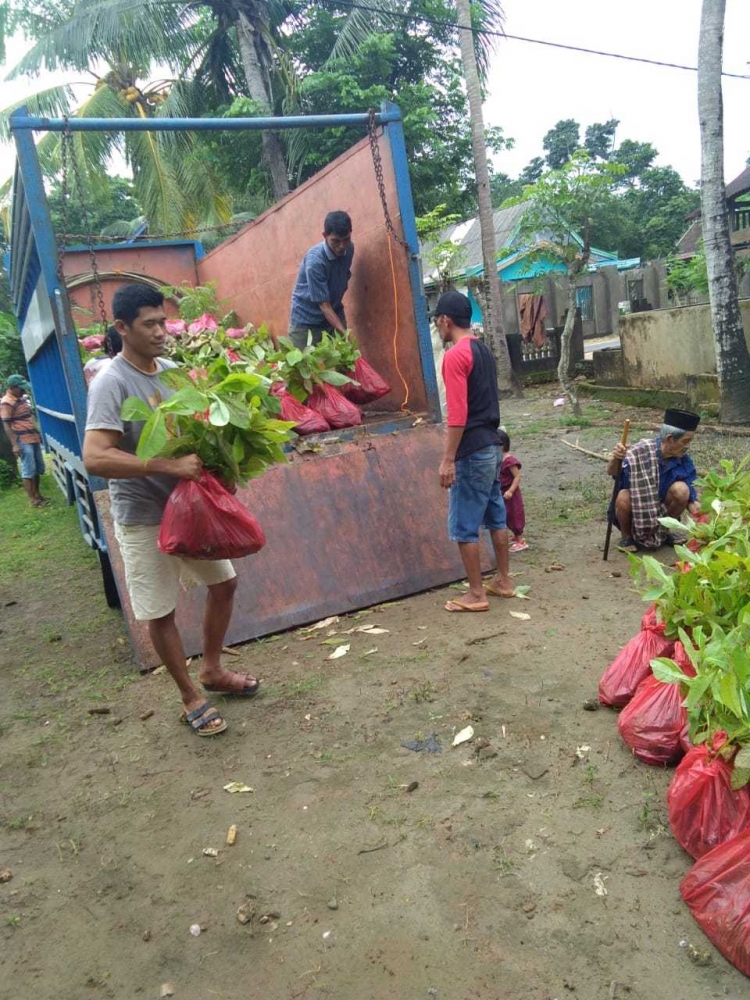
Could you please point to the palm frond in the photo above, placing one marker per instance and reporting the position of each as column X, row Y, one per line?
column 157, row 190
column 490, row 16
column 124, row 228
column 49, row 103
column 139, row 31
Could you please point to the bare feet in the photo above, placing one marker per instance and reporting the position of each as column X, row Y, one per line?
column 500, row 586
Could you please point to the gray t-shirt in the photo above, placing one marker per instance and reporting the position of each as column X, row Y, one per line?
column 134, row 501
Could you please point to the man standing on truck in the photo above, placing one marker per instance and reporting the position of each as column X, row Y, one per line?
column 322, row 281
column 472, row 454
column 23, row 434
column 139, row 492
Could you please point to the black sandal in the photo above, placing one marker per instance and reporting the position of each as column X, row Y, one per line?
column 201, row 717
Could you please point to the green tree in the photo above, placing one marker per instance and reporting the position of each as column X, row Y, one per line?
column 561, row 205
column 106, row 206
column 561, row 142
column 600, row 139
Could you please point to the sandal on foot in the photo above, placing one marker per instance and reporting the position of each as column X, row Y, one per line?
column 627, row 545
column 518, row 546
column 241, row 686
column 202, row 717
column 499, row 593
column 459, row 607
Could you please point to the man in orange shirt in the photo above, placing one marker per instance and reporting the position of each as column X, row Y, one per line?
column 23, row 433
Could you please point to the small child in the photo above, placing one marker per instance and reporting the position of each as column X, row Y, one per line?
column 510, row 483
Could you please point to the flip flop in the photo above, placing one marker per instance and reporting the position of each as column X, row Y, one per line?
column 246, row 690
column 456, row 607
column 499, row 593
column 201, row 717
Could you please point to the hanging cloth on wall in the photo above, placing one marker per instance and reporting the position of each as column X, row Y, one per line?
column 533, row 311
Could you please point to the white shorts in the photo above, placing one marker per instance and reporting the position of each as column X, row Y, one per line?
column 154, row 579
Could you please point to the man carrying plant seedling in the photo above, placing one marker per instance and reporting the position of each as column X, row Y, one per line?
column 23, row 434
column 657, row 480
column 472, row 454
column 321, row 283
column 139, row 492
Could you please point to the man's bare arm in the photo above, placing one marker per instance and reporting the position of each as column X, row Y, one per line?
column 102, row 457
column 328, row 311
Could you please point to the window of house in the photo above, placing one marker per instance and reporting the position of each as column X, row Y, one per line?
column 585, row 302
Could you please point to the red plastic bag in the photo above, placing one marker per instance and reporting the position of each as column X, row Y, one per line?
column 717, row 890
column 333, row 407
column 704, row 810
column 371, row 385
column 202, row 520
column 306, row 421
column 654, row 724
column 633, row 663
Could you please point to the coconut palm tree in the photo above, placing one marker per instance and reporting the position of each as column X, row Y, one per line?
column 732, row 356
column 493, row 319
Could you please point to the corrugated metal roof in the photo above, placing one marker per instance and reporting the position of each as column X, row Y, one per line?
column 467, row 234
column 740, row 184
column 690, row 240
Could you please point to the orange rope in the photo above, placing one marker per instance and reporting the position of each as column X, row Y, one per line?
column 404, row 406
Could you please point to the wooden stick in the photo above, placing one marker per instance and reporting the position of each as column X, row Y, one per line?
column 585, row 451
column 615, row 488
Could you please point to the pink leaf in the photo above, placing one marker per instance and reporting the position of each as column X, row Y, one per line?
column 176, row 327
column 235, row 333
column 204, row 324
column 93, row 343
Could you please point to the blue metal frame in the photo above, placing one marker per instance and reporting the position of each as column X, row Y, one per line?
column 395, row 135
column 20, row 121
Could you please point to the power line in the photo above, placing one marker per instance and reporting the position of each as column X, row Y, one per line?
column 438, row 22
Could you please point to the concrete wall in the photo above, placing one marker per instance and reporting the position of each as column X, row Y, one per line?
column 661, row 348
column 608, row 286
column 256, row 269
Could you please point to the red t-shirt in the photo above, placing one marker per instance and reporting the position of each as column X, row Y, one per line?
column 470, row 378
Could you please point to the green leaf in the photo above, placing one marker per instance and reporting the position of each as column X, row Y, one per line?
column 293, row 357
column 740, row 777
column 238, row 449
column 336, row 378
column 134, row 408
column 667, row 671
column 153, row 436
column 743, row 757
column 218, row 413
column 186, row 401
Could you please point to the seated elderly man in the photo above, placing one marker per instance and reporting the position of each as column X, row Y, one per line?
column 656, row 481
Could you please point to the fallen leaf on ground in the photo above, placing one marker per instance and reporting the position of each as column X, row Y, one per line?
column 237, row 786
column 339, row 652
column 464, row 736
column 167, row 990
column 419, row 642
column 520, row 614
column 372, row 630
column 599, row 887
column 229, row 651
column 582, row 751
column 210, row 852
column 371, row 651
column 326, row 623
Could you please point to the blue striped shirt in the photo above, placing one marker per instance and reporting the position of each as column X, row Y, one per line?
column 322, row 277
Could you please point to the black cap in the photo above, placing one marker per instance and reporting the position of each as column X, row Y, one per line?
column 682, row 419
column 452, row 304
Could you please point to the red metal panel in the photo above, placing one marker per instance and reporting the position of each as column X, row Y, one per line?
column 362, row 523
column 169, row 265
column 256, row 269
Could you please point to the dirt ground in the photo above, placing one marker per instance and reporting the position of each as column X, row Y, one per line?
column 479, row 884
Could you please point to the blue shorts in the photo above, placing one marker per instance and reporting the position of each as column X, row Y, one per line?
column 32, row 463
column 476, row 497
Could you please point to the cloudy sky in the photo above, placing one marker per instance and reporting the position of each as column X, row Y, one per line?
column 532, row 87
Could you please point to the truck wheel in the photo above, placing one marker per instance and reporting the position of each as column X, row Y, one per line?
column 108, row 580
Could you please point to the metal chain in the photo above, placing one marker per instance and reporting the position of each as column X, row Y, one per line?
column 372, row 135
column 69, row 154
column 159, row 236
column 62, row 240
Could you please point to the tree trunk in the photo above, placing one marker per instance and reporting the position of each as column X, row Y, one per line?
column 493, row 317
column 273, row 151
column 566, row 342
column 732, row 356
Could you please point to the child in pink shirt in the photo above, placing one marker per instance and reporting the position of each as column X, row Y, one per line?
column 510, row 484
